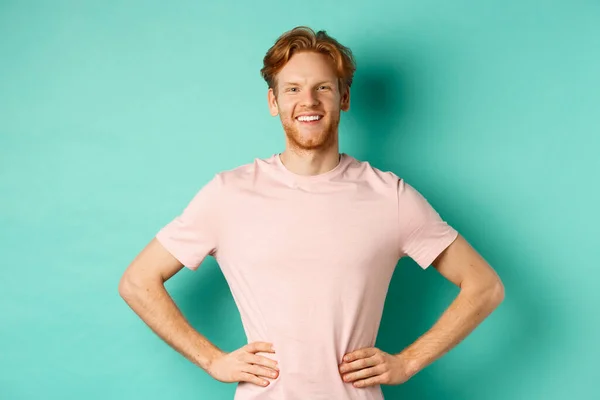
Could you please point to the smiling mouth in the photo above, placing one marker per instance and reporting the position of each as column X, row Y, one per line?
column 309, row 119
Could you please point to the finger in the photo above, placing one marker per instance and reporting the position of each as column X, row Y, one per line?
column 256, row 347
column 362, row 374
column 362, row 353
column 372, row 381
column 246, row 377
column 260, row 371
column 260, row 360
column 358, row 364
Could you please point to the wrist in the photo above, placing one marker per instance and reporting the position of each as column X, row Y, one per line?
column 411, row 365
column 206, row 359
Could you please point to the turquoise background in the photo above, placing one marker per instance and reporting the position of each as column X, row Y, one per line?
column 113, row 114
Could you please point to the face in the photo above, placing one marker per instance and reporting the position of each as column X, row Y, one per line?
column 307, row 86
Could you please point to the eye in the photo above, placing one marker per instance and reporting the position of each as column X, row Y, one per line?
column 292, row 89
column 324, row 87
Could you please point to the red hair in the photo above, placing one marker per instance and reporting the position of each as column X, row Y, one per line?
column 303, row 38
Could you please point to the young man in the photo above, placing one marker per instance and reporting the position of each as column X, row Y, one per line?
column 308, row 240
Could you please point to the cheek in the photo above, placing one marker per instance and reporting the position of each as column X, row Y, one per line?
column 331, row 102
column 287, row 110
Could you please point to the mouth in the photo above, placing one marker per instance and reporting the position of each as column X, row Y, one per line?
column 309, row 119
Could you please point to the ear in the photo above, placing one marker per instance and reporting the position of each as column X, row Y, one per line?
column 273, row 108
column 345, row 99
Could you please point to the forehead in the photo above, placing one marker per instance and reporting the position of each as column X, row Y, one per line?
column 307, row 66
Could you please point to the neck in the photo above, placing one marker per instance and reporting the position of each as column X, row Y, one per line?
column 310, row 162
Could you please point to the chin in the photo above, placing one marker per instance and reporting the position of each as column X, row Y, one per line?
column 308, row 140
column 311, row 143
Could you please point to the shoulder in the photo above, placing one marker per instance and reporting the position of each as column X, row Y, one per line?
column 378, row 178
column 242, row 174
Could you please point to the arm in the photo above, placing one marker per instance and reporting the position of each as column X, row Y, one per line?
column 481, row 291
column 142, row 288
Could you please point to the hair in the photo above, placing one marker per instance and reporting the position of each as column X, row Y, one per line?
column 304, row 39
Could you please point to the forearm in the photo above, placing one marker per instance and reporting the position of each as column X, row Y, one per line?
column 153, row 304
column 463, row 315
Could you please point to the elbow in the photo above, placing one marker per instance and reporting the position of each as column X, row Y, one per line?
column 129, row 287
column 496, row 293
column 133, row 286
column 125, row 287
column 488, row 293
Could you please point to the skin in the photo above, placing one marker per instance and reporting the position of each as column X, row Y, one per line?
column 313, row 150
column 308, row 83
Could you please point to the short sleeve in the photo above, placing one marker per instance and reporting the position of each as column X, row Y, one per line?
column 192, row 235
column 423, row 234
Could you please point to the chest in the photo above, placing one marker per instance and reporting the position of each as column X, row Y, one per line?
column 309, row 235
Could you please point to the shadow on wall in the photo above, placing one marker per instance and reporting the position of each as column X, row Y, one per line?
column 377, row 106
column 380, row 107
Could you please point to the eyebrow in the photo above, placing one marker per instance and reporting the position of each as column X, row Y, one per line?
column 298, row 84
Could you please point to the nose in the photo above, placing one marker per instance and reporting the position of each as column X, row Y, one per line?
column 310, row 98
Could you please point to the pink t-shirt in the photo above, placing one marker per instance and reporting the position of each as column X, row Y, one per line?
column 309, row 260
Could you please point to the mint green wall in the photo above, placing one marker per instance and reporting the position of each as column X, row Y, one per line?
column 112, row 115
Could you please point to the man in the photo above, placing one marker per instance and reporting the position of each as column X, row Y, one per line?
column 308, row 240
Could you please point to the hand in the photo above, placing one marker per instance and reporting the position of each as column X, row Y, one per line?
column 243, row 365
column 371, row 366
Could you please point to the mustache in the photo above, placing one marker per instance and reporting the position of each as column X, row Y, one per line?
column 311, row 111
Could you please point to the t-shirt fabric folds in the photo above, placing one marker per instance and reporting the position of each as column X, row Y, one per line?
column 309, row 260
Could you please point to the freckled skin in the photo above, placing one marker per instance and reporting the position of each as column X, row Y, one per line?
column 316, row 89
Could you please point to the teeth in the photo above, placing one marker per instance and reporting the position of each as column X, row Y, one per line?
column 309, row 118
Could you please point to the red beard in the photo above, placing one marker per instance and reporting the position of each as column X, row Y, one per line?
column 311, row 138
